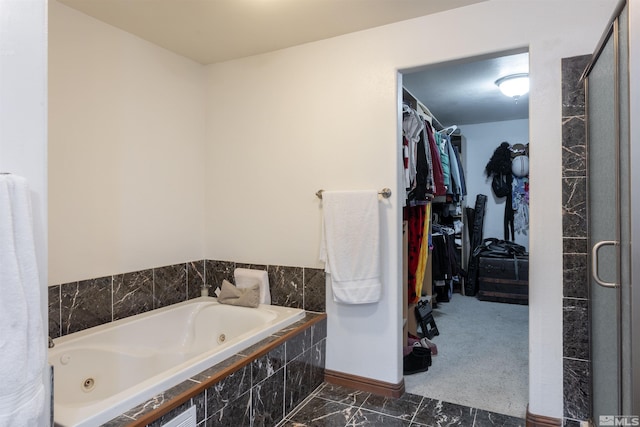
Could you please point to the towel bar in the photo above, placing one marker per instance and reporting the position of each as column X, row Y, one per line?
column 385, row 192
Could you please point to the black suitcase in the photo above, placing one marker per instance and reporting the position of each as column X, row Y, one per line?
column 503, row 279
column 516, row 268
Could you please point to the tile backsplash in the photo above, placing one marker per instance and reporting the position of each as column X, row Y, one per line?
column 80, row 305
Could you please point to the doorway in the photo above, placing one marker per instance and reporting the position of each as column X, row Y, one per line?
column 482, row 349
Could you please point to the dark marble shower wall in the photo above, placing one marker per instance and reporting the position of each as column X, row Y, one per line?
column 576, row 356
column 80, row 305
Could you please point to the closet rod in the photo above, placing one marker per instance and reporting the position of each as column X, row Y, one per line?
column 428, row 112
column 385, row 192
column 424, row 108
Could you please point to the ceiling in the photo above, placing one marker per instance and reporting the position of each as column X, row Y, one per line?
column 210, row 31
column 464, row 92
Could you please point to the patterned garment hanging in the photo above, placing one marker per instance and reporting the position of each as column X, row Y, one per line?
column 415, row 216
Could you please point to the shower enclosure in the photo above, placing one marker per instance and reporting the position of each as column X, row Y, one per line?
column 613, row 145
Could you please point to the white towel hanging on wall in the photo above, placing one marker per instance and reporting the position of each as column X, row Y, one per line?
column 22, row 340
column 350, row 246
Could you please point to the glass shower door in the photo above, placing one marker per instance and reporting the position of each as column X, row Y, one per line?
column 603, row 154
column 609, row 219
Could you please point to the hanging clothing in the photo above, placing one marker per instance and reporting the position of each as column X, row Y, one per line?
column 445, row 261
column 438, row 176
column 509, row 228
column 416, row 157
column 461, row 182
column 454, row 170
column 415, row 217
column 520, row 204
column 424, row 253
column 441, row 143
column 432, row 167
column 406, row 159
column 419, row 195
column 427, row 151
column 412, row 128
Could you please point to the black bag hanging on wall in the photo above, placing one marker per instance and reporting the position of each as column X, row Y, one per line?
column 499, row 168
column 501, row 185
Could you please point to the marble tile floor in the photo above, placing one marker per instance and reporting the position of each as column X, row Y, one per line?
column 336, row 406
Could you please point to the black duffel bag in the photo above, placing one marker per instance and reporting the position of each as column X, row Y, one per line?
column 499, row 248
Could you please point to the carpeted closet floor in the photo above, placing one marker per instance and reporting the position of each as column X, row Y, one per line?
column 483, row 357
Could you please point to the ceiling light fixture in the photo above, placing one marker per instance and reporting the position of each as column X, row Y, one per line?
column 514, row 85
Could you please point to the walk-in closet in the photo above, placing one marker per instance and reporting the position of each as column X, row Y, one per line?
column 465, row 150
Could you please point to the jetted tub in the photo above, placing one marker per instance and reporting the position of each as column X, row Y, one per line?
column 102, row 372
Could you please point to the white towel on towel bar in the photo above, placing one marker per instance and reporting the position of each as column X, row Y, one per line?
column 350, row 246
column 22, row 340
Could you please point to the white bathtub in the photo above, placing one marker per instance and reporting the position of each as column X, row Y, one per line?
column 102, row 372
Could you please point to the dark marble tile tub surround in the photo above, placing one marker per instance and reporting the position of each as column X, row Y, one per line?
column 54, row 311
column 217, row 271
column 195, row 278
column 258, row 386
column 80, row 305
column 85, row 304
column 576, row 344
column 336, row 406
column 170, row 285
column 133, row 293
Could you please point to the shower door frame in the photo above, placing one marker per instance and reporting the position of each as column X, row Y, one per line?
column 634, row 158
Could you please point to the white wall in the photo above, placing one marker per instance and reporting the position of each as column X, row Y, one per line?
column 325, row 115
column 23, row 120
column 479, row 143
column 126, row 146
